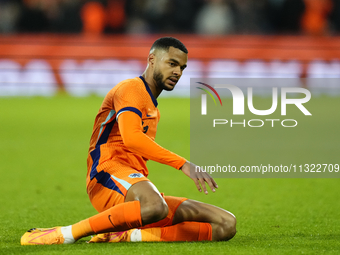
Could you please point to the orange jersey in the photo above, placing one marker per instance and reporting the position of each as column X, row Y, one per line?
column 128, row 142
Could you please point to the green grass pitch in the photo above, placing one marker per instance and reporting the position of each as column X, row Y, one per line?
column 43, row 150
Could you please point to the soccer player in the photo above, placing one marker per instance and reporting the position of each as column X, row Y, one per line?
column 130, row 208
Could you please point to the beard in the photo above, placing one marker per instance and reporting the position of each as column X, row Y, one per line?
column 159, row 79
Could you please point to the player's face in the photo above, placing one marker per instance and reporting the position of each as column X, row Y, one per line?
column 169, row 68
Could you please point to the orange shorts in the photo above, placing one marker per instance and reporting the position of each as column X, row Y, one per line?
column 107, row 190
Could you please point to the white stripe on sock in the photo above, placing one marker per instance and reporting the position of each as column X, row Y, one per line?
column 67, row 233
column 136, row 236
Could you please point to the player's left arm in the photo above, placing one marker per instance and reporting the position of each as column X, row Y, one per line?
column 131, row 130
column 199, row 177
column 135, row 140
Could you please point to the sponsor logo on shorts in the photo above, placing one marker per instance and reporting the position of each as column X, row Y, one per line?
column 135, row 175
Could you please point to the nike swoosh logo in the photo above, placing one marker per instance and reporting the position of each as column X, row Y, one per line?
column 110, row 220
column 148, row 115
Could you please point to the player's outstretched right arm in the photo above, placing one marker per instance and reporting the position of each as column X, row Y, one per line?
column 199, row 177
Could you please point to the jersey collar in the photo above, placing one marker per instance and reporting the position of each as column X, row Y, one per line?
column 154, row 100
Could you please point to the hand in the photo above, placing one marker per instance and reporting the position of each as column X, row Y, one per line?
column 199, row 177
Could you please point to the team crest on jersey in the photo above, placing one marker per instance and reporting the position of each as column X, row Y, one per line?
column 146, row 128
column 135, row 175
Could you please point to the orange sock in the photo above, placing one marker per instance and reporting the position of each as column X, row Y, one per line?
column 185, row 231
column 121, row 217
column 81, row 229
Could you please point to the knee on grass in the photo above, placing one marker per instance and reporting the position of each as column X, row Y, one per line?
column 225, row 230
column 154, row 212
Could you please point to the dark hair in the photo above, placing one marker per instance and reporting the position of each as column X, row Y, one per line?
column 166, row 42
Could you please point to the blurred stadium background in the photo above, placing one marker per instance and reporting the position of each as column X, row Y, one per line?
column 85, row 47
